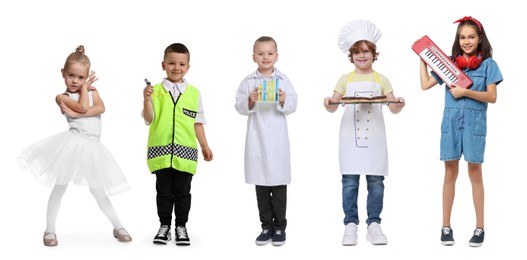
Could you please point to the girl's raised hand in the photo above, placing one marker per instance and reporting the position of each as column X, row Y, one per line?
column 91, row 79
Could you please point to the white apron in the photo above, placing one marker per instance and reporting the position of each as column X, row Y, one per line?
column 362, row 140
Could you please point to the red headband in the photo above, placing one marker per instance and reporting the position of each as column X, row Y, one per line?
column 469, row 18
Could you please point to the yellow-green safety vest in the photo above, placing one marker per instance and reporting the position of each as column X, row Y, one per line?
column 172, row 139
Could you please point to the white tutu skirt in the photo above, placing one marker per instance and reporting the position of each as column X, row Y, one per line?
column 71, row 157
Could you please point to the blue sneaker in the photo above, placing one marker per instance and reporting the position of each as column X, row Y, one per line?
column 264, row 237
column 278, row 238
column 447, row 236
column 477, row 238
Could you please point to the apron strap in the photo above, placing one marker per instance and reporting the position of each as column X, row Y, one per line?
column 376, row 77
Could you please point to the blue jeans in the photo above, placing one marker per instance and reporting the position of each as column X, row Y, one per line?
column 350, row 193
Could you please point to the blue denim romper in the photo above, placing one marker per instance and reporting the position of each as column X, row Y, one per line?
column 464, row 124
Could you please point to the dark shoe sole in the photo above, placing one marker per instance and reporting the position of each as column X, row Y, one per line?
column 161, row 242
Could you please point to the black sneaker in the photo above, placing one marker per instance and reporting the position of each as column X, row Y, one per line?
column 264, row 237
column 477, row 238
column 163, row 235
column 182, row 238
column 278, row 237
column 447, row 236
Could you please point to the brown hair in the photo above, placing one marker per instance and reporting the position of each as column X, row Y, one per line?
column 357, row 46
column 177, row 48
column 265, row 39
column 484, row 47
column 78, row 56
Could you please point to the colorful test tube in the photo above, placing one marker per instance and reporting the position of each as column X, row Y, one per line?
column 266, row 91
column 273, row 91
column 277, row 89
column 259, row 91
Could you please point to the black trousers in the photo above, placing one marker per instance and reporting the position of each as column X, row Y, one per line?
column 272, row 204
column 173, row 194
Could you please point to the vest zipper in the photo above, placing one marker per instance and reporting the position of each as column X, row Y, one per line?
column 173, row 128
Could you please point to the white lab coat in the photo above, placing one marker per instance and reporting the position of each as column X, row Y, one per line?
column 267, row 153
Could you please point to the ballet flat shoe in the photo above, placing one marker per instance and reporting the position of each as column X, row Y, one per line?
column 122, row 235
column 50, row 241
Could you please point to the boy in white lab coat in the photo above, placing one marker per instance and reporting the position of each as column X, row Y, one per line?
column 267, row 96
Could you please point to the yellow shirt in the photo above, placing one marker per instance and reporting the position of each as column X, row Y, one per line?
column 386, row 87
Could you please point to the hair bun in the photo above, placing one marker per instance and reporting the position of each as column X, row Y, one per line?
column 80, row 49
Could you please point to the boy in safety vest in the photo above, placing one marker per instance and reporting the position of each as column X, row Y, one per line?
column 174, row 112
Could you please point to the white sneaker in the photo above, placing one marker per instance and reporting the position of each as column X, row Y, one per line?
column 350, row 235
column 375, row 235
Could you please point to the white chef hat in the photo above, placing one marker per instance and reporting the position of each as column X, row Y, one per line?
column 358, row 30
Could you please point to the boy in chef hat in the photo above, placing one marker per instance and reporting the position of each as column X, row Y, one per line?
column 362, row 140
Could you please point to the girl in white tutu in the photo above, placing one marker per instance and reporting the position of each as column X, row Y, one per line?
column 77, row 155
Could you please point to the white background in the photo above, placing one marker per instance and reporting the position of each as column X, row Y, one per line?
column 125, row 41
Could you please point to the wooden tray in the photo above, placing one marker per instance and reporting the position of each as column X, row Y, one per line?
column 355, row 100
column 363, row 101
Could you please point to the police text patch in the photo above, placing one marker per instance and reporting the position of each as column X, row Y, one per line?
column 189, row 113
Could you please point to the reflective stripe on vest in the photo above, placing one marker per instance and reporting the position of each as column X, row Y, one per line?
column 172, row 139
